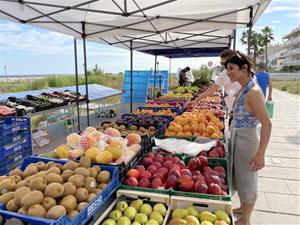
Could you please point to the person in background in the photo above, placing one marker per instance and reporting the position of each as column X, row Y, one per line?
column 264, row 81
column 182, row 76
column 190, row 76
column 230, row 88
column 247, row 149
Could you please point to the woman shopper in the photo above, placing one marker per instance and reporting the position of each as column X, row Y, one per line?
column 247, row 149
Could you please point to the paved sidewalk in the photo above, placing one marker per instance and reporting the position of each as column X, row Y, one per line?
column 279, row 182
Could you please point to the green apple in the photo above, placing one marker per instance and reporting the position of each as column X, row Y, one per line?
column 130, row 212
column 123, row 220
column 109, row 222
column 141, row 218
column 115, row 214
column 122, row 206
column 146, row 209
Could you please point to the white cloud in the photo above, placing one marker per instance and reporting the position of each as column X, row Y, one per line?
column 258, row 28
column 278, row 8
column 294, row 15
column 275, row 21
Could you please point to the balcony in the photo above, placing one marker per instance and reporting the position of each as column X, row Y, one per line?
column 291, row 42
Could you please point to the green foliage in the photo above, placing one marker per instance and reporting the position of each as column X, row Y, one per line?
column 203, row 73
column 291, row 86
column 290, row 69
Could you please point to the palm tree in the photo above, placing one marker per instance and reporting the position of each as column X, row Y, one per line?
column 267, row 37
column 255, row 43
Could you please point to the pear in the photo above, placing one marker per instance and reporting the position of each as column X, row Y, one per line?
column 152, row 222
column 206, row 223
column 161, row 208
column 123, row 220
column 137, row 204
column 109, row 222
column 192, row 220
column 130, row 212
column 122, row 206
column 146, row 209
column 177, row 221
column 156, row 216
column 193, row 211
column 207, row 216
column 115, row 214
column 222, row 215
column 180, row 213
column 141, row 218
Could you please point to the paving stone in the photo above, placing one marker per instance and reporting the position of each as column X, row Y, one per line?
column 283, row 203
column 282, row 162
column 280, row 172
column 284, row 145
column 277, row 153
column 294, row 154
column 273, row 185
column 269, row 218
column 293, row 186
column 261, row 202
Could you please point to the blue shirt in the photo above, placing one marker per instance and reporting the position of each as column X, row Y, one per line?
column 263, row 81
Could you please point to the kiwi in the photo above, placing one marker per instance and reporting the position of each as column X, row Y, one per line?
column 5, row 198
column 29, row 179
column 69, row 188
column 83, row 171
column 66, row 174
column 103, row 176
column 20, row 184
column 91, row 197
column 97, row 191
column 48, row 202
column 90, row 184
column 93, row 172
column 13, row 221
column 3, row 178
column 16, row 171
column 16, row 178
column 32, row 198
column 80, row 206
column 85, row 162
column 7, row 185
column 55, row 212
column 81, row 194
column 20, row 193
column 69, row 202
column 102, row 186
column 54, row 178
column 70, row 166
column 58, row 165
column 12, row 206
column 54, row 190
column 53, row 169
column 72, row 214
column 41, row 174
column 38, row 184
column 41, row 166
column 29, row 171
column 37, row 210
column 78, row 180
column 49, row 164
column 22, row 210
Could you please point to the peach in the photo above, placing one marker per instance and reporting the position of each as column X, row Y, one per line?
column 168, row 158
column 174, row 172
column 213, row 154
column 187, row 185
column 214, row 189
column 152, row 169
column 203, row 160
column 180, row 164
column 200, row 187
column 144, row 182
column 147, row 162
column 156, row 164
column 168, row 164
column 219, row 169
column 133, row 173
column 131, row 181
column 213, row 179
column 151, row 155
column 140, row 168
column 185, row 172
column 163, row 170
column 159, row 158
column 158, row 175
column 194, row 164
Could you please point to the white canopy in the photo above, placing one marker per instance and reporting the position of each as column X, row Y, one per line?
column 146, row 24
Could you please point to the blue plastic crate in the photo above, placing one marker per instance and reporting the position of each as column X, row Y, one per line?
column 10, row 149
column 13, row 124
column 15, row 137
column 21, row 153
column 155, row 109
column 84, row 215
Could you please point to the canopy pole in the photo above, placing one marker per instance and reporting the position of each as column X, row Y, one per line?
column 234, row 39
column 77, row 89
column 250, row 30
column 169, row 78
column 154, row 85
column 131, row 68
column 85, row 74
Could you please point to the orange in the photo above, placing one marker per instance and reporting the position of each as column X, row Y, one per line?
column 180, row 133
column 178, row 128
column 186, row 128
column 210, row 129
column 205, row 134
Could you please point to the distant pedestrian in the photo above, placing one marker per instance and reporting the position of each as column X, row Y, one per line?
column 183, row 76
column 264, row 80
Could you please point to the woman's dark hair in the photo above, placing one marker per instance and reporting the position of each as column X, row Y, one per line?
column 241, row 59
column 227, row 53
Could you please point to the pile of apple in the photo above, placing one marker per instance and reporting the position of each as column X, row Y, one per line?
column 136, row 212
column 215, row 152
column 163, row 172
column 191, row 215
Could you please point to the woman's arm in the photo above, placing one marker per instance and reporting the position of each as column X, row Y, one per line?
column 256, row 102
column 209, row 91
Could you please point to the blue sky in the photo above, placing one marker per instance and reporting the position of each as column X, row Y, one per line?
column 30, row 50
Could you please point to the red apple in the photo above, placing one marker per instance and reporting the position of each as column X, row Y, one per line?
column 203, row 160
column 206, row 169
column 176, row 159
column 171, row 182
column 194, row 164
column 224, row 192
column 213, row 154
column 147, row 161
column 221, row 151
column 131, row 181
column 158, row 175
column 214, row 189
column 200, row 187
column 156, row 164
column 220, row 169
column 156, row 183
column 152, row 169
column 180, row 164
column 140, row 168
column 144, row 182
column 196, row 173
column 203, row 153
column 168, row 164
column 223, row 187
column 168, row 158
column 186, row 185
column 146, row 174
column 174, row 172
column 163, row 170
column 151, row 155
column 133, row 173
column 159, row 158
column 186, row 172
column 213, row 179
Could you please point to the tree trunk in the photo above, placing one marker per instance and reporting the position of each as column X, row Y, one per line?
column 266, row 53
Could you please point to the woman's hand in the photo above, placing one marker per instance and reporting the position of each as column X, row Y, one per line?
column 257, row 162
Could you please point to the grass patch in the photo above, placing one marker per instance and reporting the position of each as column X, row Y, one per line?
column 291, row 86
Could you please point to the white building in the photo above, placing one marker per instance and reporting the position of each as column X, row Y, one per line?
column 291, row 48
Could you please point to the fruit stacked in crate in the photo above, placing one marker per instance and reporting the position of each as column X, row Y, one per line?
column 106, row 148
column 187, row 174
column 15, row 142
column 51, row 189
column 197, row 123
